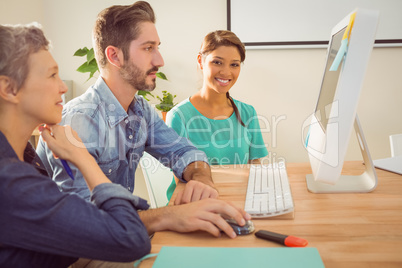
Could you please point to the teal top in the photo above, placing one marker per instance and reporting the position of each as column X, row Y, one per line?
column 225, row 141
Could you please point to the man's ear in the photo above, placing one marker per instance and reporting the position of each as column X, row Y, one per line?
column 114, row 56
column 8, row 90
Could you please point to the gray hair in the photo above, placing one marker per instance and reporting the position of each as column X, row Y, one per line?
column 17, row 43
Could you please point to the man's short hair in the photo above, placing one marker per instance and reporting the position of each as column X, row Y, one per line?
column 17, row 43
column 118, row 26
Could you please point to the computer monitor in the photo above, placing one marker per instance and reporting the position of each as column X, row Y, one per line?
column 335, row 117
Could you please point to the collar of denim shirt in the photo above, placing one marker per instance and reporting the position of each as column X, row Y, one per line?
column 115, row 113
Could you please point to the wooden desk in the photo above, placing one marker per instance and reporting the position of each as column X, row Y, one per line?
column 349, row 230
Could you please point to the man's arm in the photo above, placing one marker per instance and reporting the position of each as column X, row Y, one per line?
column 187, row 162
column 199, row 184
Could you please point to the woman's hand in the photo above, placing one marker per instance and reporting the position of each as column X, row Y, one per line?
column 63, row 141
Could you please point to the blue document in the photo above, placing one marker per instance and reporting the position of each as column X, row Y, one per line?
column 237, row 257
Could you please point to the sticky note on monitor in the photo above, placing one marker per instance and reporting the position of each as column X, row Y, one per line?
column 344, row 44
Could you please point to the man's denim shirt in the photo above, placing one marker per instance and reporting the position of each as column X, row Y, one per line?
column 117, row 139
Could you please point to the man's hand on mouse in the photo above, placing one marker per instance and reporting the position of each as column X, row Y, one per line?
column 204, row 215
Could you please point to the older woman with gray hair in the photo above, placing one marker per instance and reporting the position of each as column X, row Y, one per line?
column 41, row 226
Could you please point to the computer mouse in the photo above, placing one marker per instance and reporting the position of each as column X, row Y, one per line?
column 248, row 228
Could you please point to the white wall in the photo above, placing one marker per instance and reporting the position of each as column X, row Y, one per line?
column 279, row 83
column 21, row 11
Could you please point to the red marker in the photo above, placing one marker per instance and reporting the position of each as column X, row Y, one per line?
column 287, row 240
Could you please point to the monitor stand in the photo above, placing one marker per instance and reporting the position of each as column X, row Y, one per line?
column 364, row 183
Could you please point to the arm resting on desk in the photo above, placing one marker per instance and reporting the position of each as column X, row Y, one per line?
column 200, row 185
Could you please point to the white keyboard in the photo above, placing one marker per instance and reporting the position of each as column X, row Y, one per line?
column 268, row 191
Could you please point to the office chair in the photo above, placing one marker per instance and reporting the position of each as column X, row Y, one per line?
column 157, row 178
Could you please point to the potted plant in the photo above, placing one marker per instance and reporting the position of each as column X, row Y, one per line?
column 166, row 103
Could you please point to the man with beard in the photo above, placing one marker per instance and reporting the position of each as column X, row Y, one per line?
column 117, row 126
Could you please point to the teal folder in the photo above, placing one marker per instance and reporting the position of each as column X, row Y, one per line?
column 197, row 257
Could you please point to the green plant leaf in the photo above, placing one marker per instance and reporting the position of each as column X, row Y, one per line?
column 164, row 107
column 91, row 67
column 83, row 68
column 81, row 52
column 92, row 73
column 161, row 75
column 166, row 102
column 144, row 94
column 90, row 55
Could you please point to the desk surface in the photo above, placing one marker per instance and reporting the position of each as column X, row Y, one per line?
column 349, row 230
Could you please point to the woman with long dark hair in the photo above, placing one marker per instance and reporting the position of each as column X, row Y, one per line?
column 226, row 129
